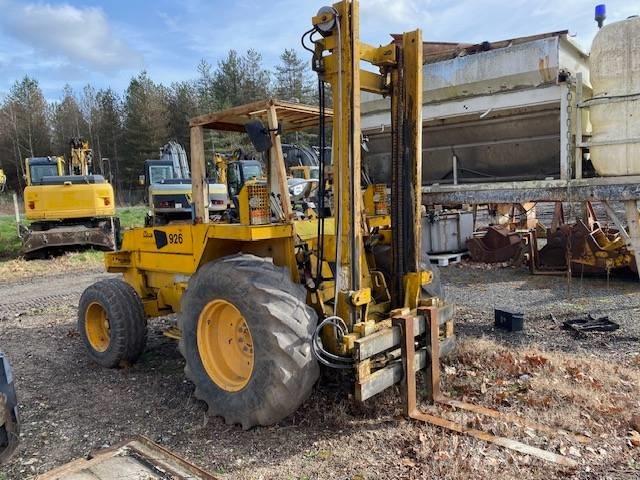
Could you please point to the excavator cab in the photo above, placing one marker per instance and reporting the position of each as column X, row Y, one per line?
column 39, row 167
column 241, row 171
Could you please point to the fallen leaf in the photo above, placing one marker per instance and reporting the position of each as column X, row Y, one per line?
column 407, row 462
column 536, row 360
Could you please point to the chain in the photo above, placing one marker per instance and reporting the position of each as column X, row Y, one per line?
column 568, row 133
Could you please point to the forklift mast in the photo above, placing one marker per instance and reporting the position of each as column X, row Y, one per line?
column 337, row 58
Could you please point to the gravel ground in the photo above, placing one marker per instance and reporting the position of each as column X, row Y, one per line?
column 477, row 289
column 70, row 406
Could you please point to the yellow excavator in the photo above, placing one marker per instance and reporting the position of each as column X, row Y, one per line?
column 65, row 211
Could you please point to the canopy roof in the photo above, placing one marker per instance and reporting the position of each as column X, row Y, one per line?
column 291, row 116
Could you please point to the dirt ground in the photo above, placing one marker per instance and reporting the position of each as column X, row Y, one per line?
column 589, row 384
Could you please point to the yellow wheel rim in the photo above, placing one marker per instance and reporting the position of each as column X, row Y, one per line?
column 97, row 328
column 225, row 345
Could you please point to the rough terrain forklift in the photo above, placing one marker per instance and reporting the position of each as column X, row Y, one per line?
column 263, row 300
column 67, row 211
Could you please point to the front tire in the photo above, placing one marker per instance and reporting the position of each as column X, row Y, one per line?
column 246, row 337
column 111, row 323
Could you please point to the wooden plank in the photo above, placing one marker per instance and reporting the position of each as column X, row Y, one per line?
column 199, row 182
column 515, row 419
column 135, row 458
column 501, row 441
column 233, row 119
column 278, row 173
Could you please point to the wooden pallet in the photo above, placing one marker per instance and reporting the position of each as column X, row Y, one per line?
column 446, row 259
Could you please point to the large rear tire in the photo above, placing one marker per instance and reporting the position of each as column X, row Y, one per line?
column 246, row 338
column 112, row 323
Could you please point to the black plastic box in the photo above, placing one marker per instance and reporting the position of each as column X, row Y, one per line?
column 510, row 321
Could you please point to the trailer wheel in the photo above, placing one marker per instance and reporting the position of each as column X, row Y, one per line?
column 111, row 323
column 246, row 338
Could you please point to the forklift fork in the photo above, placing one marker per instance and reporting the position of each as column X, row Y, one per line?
column 434, row 395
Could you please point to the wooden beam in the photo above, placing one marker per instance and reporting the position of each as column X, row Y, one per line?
column 199, row 185
column 277, row 169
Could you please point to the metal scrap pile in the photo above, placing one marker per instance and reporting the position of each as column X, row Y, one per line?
column 584, row 247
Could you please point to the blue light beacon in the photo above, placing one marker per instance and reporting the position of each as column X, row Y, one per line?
column 601, row 14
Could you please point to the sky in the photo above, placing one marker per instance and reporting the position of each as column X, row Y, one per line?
column 105, row 43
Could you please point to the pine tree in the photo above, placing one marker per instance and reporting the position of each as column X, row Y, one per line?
column 255, row 79
column 109, row 129
column 66, row 121
column 24, row 126
column 293, row 79
column 227, row 82
column 183, row 105
column 205, row 88
column 145, row 125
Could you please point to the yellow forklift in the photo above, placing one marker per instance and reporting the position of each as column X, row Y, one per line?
column 71, row 210
column 264, row 300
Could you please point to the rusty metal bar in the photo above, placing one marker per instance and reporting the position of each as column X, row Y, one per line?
column 433, row 385
column 502, row 441
column 406, row 323
column 523, row 422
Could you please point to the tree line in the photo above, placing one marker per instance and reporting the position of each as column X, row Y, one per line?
column 130, row 127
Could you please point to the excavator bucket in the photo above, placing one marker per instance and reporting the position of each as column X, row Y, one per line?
column 101, row 236
column 9, row 419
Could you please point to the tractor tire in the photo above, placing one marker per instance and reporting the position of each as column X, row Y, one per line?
column 274, row 370
column 112, row 323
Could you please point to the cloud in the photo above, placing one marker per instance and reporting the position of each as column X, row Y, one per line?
column 397, row 12
column 81, row 36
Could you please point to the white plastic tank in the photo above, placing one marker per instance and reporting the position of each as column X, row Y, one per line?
column 615, row 77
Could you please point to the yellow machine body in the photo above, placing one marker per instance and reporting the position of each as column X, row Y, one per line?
column 59, row 202
column 158, row 262
column 67, row 211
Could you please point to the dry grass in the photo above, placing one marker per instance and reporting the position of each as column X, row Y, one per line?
column 583, row 394
column 20, row 268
